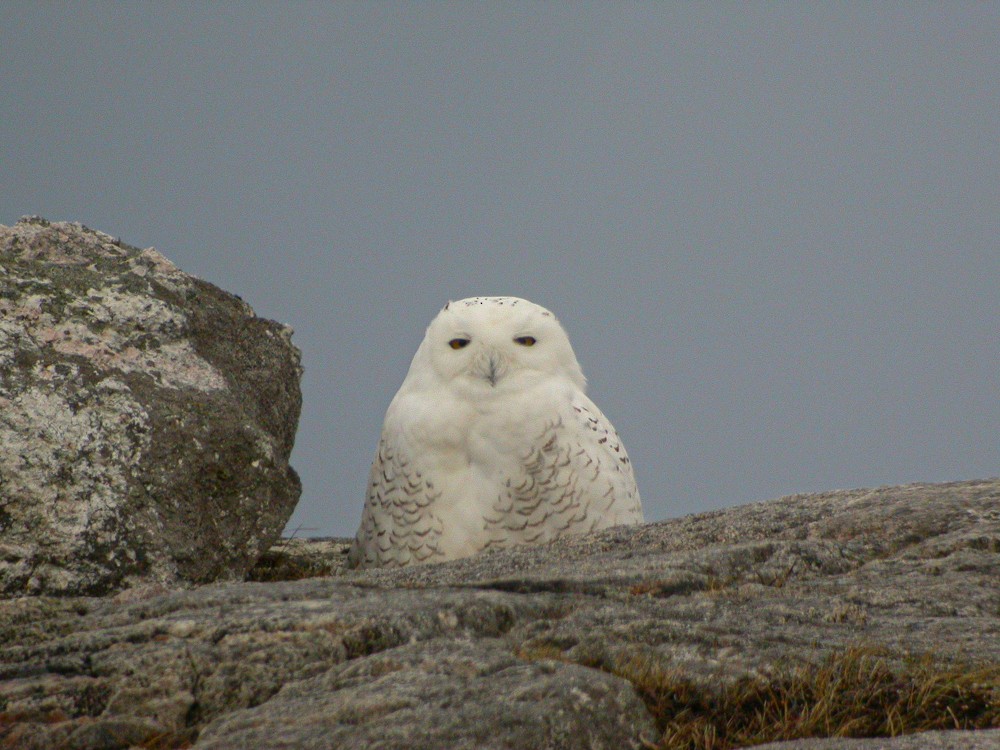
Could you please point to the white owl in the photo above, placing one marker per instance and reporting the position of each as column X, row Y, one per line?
column 491, row 442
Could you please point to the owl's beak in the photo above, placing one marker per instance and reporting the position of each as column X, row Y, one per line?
column 491, row 368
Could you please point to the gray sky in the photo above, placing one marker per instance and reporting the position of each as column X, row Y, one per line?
column 772, row 230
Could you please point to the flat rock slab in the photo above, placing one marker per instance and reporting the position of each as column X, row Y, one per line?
column 516, row 649
column 984, row 740
column 444, row 693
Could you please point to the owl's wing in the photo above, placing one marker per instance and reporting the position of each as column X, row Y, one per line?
column 574, row 478
column 398, row 527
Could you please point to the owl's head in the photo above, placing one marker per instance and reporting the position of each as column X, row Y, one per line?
column 495, row 344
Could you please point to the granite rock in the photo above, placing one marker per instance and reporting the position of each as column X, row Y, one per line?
column 521, row 648
column 146, row 419
column 938, row 740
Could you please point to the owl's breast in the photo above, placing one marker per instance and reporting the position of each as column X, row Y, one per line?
column 477, row 451
column 476, row 430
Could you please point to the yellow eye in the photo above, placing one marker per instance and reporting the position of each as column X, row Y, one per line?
column 525, row 340
column 458, row 343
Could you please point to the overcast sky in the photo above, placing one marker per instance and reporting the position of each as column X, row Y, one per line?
column 772, row 230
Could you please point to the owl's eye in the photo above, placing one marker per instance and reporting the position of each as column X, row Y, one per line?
column 525, row 340
column 458, row 343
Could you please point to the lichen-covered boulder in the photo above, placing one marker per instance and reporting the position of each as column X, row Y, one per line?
column 146, row 418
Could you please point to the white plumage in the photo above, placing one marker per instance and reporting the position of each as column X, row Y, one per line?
column 491, row 442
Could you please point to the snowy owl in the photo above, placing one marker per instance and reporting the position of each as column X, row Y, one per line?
column 491, row 442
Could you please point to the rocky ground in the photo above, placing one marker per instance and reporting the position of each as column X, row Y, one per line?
column 572, row 645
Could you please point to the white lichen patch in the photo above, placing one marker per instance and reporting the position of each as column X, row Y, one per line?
column 65, row 466
column 265, row 447
column 114, row 305
column 113, row 329
column 151, row 260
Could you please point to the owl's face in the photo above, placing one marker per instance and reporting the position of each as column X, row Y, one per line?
column 485, row 345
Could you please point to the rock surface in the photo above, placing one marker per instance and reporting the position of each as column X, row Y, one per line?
column 520, row 648
column 985, row 740
column 146, row 418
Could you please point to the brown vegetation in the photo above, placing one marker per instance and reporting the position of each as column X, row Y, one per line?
column 857, row 692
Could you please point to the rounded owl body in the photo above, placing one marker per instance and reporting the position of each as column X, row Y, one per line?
column 491, row 442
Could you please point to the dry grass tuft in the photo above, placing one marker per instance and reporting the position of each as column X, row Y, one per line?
column 292, row 559
column 182, row 740
column 274, row 566
column 853, row 693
